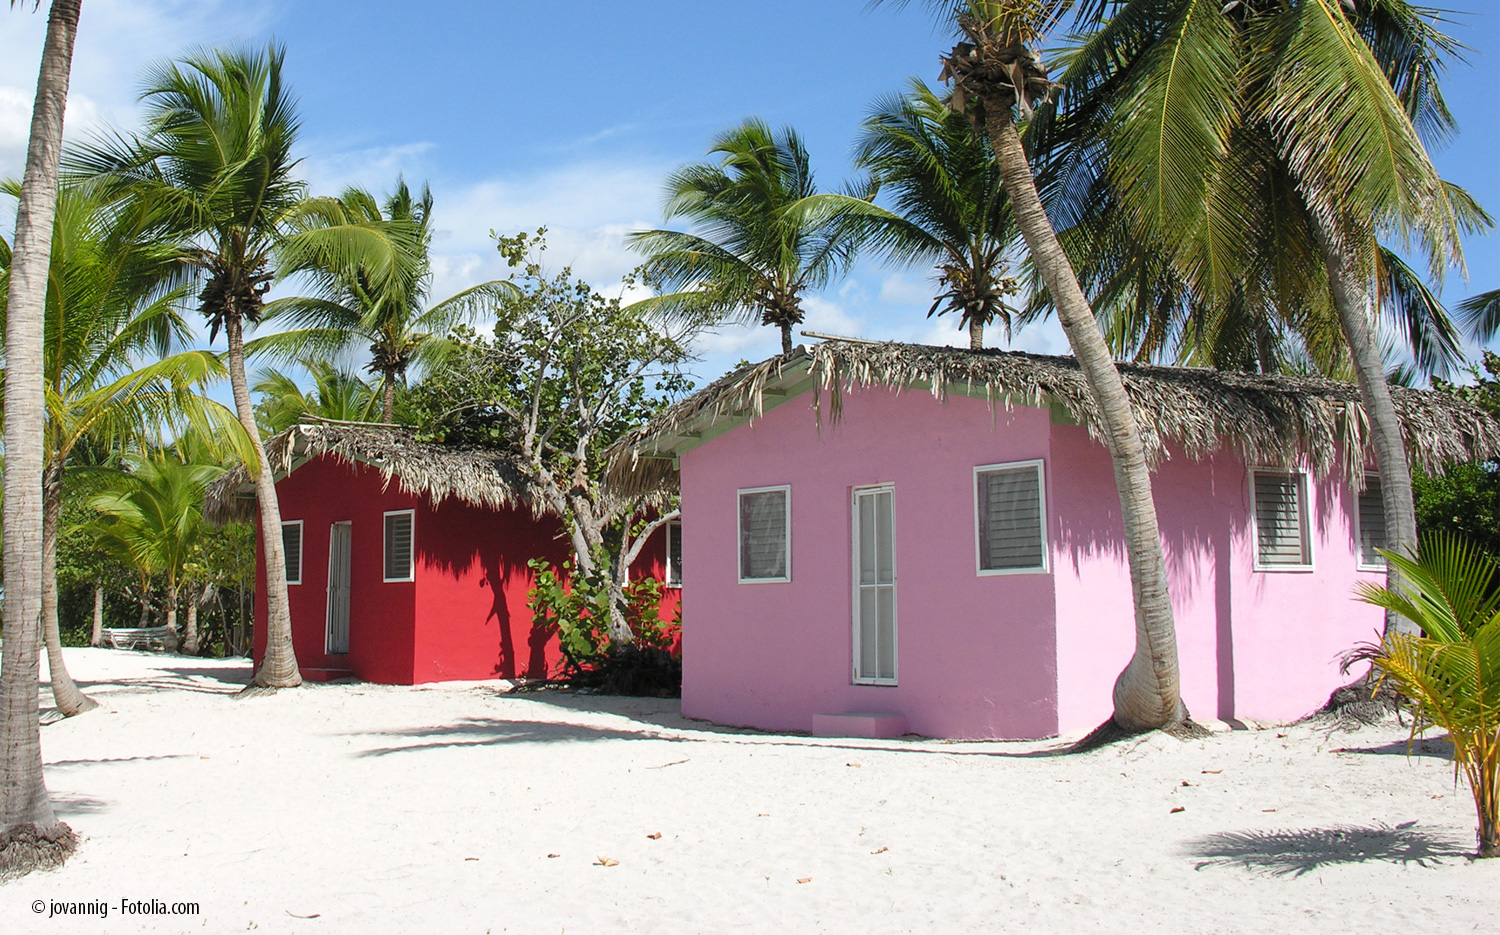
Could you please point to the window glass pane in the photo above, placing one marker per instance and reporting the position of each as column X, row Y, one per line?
column 886, row 604
column 1371, row 523
column 867, row 540
column 674, row 554
column 885, row 543
column 398, row 546
column 763, row 534
column 869, row 627
column 291, row 547
column 1010, row 519
column 1280, row 539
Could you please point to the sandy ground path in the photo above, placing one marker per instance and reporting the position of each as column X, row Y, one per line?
column 362, row 808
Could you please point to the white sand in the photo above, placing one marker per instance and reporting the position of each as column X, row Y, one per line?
column 363, row 805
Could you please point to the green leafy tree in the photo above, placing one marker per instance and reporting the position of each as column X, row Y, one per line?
column 1449, row 666
column 349, row 307
column 112, row 294
column 155, row 517
column 336, row 394
column 1299, row 122
column 994, row 72
column 765, row 235
column 950, row 208
column 566, row 373
column 30, row 834
column 215, row 167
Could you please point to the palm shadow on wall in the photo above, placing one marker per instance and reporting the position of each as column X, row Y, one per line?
column 499, row 542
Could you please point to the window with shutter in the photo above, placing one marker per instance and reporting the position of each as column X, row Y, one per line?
column 398, row 546
column 1371, row 524
column 1281, row 534
column 674, row 554
column 765, row 534
column 1011, row 513
column 291, row 547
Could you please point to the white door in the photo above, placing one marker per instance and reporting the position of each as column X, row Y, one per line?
column 338, row 588
column 874, row 585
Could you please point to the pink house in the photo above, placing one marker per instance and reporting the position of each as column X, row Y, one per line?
column 884, row 538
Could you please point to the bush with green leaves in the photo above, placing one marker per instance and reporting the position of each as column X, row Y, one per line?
column 1450, row 672
column 575, row 604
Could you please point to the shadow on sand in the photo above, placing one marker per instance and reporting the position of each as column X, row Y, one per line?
column 1441, row 748
column 1296, row 852
column 659, row 719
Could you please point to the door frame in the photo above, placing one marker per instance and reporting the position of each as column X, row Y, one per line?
column 854, row 543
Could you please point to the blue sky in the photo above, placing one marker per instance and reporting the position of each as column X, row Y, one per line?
column 570, row 115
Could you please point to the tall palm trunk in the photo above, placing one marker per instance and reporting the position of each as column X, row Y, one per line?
column 279, row 668
column 976, row 334
column 172, row 608
column 786, row 339
column 190, row 629
column 97, row 636
column 1147, row 694
column 1352, row 298
column 65, row 693
column 30, row 834
column 388, row 400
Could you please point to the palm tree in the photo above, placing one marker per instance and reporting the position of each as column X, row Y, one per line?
column 337, row 395
column 154, row 516
column 950, row 205
column 30, row 834
column 767, row 235
column 110, row 295
column 1448, row 666
column 215, row 166
column 1297, row 119
column 994, row 70
column 348, row 308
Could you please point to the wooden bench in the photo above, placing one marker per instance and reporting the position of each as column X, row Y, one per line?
column 149, row 639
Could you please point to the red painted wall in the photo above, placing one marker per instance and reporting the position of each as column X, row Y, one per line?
column 465, row 615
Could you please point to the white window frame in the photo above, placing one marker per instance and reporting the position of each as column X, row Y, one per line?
column 675, row 524
column 1359, row 539
column 1041, row 485
column 1304, row 501
column 411, row 558
column 895, row 589
column 739, row 541
column 301, row 546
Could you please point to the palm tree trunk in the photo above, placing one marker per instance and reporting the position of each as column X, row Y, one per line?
column 786, row 339
column 97, row 637
column 65, row 693
column 976, row 334
column 30, row 834
column 190, row 631
column 1352, row 298
column 1147, row 695
column 388, row 400
column 172, row 609
column 279, row 668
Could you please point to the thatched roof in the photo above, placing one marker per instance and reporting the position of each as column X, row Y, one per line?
column 1264, row 419
column 484, row 477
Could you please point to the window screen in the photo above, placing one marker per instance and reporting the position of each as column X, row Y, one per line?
column 291, row 547
column 398, row 546
column 1010, row 519
column 674, row 555
column 763, row 535
column 1371, row 523
column 1280, row 519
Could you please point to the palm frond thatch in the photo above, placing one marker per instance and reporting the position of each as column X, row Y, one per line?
column 482, row 477
column 1264, row 419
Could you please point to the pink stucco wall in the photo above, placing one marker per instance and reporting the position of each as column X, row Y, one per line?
column 975, row 654
column 1015, row 656
column 1252, row 644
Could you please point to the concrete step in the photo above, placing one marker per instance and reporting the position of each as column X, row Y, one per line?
column 858, row 725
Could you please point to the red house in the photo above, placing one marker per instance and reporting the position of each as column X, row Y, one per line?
column 406, row 561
